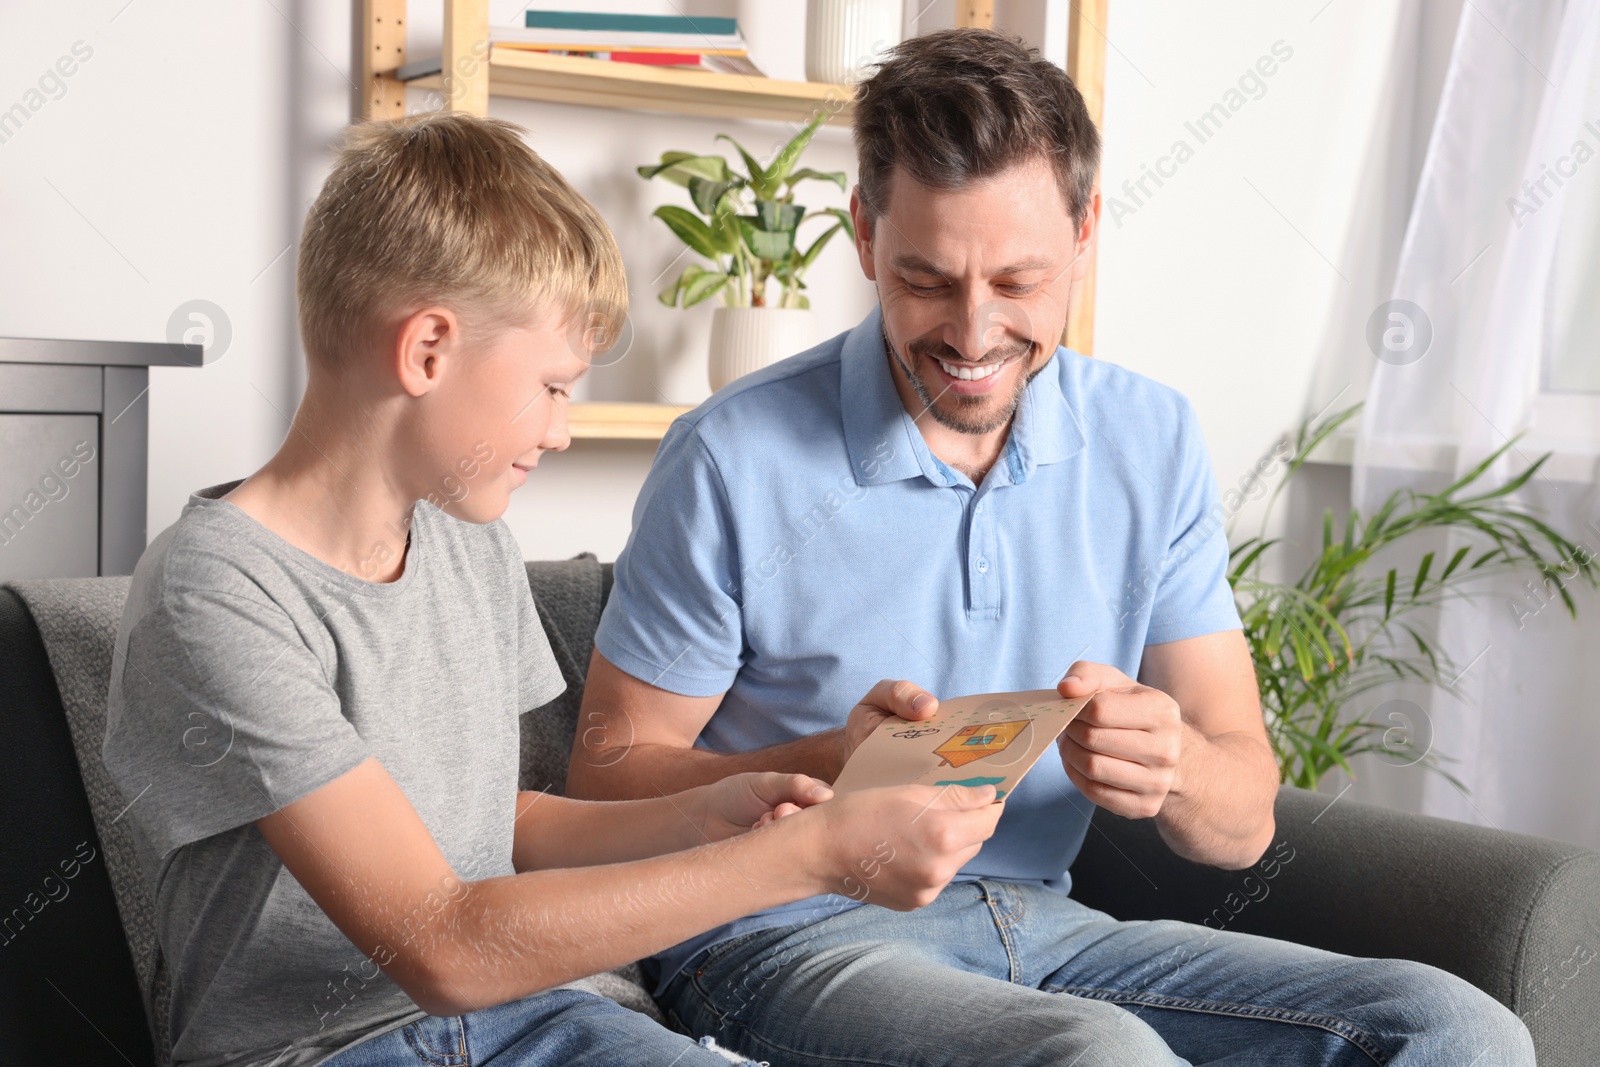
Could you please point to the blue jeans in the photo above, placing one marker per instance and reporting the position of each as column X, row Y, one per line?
column 559, row 1028
column 995, row 973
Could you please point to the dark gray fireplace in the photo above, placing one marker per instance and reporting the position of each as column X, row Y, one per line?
column 74, row 434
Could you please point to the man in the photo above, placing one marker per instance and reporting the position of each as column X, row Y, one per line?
column 943, row 494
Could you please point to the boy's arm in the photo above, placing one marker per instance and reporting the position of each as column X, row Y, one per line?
column 554, row 831
column 364, row 855
column 637, row 740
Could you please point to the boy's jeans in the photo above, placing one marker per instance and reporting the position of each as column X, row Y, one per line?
column 559, row 1028
column 1002, row 974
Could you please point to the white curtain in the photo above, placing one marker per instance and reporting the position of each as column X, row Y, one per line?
column 1495, row 331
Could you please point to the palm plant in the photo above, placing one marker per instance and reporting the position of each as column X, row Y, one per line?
column 1343, row 628
column 747, row 224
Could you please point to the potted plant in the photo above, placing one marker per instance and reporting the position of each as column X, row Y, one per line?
column 746, row 225
column 1344, row 627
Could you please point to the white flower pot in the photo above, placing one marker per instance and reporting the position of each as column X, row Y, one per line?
column 845, row 37
column 747, row 339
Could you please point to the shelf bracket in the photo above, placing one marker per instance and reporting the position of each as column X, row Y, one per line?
column 1086, row 64
column 466, row 56
column 383, row 51
column 978, row 13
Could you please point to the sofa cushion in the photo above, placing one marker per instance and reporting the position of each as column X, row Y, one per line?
column 67, row 983
column 77, row 620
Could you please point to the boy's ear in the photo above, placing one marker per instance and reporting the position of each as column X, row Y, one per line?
column 426, row 339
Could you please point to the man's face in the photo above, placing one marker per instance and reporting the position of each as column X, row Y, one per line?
column 973, row 284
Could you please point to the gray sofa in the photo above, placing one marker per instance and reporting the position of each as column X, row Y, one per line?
column 1518, row 916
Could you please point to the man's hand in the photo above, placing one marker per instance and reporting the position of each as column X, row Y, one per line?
column 1122, row 749
column 743, row 801
column 888, row 699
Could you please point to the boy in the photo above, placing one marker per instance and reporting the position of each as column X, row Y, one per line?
column 320, row 669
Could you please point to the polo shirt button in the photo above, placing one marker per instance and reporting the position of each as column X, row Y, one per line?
column 983, row 564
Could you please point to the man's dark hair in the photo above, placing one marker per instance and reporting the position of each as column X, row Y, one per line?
column 958, row 106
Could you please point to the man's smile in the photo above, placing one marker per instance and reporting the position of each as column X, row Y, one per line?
column 969, row 378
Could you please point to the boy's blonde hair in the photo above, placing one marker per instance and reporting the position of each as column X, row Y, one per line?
column 449, row 209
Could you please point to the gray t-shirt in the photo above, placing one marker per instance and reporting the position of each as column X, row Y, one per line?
column 249, row 673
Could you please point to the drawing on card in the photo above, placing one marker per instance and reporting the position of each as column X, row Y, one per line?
column 987, row 739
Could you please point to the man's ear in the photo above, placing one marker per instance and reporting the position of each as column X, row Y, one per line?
column 863, row 226
column 1083, row 247
column 424, row 343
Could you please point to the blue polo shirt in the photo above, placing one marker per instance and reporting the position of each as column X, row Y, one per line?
column 796, row 541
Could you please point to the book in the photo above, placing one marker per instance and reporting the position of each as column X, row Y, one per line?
column 606, row 40
column 607, row 32
column 617, row 23
column 728, row 62
column 987, row 739
column 524, row 46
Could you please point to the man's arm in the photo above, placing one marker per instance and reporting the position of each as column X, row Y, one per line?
column 365, row 856
column 636, row 740
column 1185, row 745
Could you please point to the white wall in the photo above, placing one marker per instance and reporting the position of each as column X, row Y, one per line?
column 1223, row 281
column 180, row 159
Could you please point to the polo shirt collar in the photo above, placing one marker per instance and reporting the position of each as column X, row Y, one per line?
column 885, row 444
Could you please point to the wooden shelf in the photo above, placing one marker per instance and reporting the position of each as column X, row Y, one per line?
column 621, row 422
column 529, row 75
column 526, row 75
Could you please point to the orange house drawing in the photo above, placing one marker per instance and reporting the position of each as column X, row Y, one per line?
column 979, row 740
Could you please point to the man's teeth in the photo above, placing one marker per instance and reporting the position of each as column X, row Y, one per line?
column 968, row 372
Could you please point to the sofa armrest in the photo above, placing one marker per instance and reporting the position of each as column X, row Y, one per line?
column 1517, row 916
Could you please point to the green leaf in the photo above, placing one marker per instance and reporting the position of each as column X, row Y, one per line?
column 844, row 218
column 765, row 244
column 1388, row 594
column 1455, row 561
column 680, row 167
column 669, row 296
column 689, row 228
column 1422, row 575
column 1252, row 549
column 1476, row 472
column 809, row 256
column 760, row 182
column 789, row 155
column 725, row 229
column 703, row 287
column 774, row 216
column 706, row 193
column 667, row 160
column 837, row 177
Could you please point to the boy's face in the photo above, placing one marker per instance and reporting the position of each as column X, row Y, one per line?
column 501, row 406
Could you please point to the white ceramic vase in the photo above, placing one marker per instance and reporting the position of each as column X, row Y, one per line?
column 844, row 37
column 745, row 339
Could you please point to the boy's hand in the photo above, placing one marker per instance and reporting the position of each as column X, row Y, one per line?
column 888, row 699
column 900, row 846
column 741, row 802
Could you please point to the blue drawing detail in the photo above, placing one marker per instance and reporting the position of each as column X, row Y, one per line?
column 977, row 781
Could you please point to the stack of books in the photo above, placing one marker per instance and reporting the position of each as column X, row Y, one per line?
column 657, row 40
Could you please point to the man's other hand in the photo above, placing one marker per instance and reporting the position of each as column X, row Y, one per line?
column 1122, row 749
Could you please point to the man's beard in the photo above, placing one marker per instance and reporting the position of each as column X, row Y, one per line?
column 968, row 416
